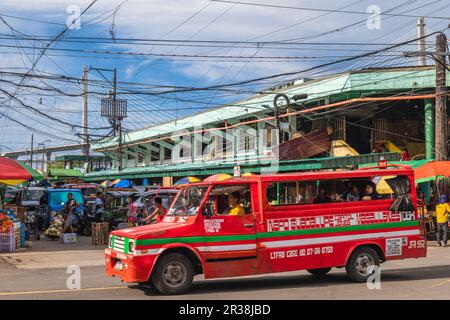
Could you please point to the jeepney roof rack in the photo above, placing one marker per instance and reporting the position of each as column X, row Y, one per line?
column 383, row 164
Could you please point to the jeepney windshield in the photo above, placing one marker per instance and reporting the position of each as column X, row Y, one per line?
column 32, row 195
column 188, row 201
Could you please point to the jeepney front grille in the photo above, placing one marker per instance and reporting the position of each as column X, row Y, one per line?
column 117, row 243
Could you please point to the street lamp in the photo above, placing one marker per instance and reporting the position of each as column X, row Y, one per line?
column 43, row 148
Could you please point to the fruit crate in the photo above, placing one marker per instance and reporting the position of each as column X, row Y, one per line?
column 7, row 241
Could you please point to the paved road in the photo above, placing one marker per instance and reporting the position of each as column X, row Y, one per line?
column 28, row 275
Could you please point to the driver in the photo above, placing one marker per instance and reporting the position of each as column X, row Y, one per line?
column 234, row 202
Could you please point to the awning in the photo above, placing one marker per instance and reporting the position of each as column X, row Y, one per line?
column 64, row 173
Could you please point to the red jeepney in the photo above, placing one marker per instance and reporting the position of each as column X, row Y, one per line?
column 274, row 223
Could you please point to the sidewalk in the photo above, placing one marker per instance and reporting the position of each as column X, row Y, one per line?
column 44, row 245
column 45, row 254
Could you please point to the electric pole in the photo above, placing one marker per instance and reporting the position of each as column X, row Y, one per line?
column 85, row 137
column 31, row 151
column 441, row 98
column 114, row 103
column 421, row 41
column 440, row 110
column 115, row 110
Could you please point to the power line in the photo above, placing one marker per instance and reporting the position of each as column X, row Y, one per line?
column 328, row 10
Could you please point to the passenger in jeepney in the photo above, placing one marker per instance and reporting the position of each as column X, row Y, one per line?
column 301, row 195
column 235, row 206
column 322, row 196
column 309, row 193
column 370, row 192
column 353, row 195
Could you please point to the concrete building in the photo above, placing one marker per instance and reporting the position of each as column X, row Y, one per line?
column 373, row 113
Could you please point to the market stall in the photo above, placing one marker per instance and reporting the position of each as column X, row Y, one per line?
column 12, row 217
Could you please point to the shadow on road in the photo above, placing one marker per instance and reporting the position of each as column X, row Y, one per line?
column 46, row 245
column 307, row 281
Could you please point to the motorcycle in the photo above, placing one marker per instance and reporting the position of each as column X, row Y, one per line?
column 85, row 218
column 32, row 223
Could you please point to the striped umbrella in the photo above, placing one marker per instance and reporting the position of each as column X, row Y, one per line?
column 13, row 172
column 187, row 180
column 106, row 184
column 217, row 177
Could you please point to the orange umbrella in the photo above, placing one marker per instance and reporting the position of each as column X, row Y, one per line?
column 217, row 177
column 432, row 171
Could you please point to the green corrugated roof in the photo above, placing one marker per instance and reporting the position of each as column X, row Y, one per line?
column 57, row 172
column 205, row 169
column 366, row 82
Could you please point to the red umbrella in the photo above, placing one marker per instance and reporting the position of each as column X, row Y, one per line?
column 14, row 172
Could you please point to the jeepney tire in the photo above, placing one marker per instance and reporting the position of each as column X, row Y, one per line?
column 363, row 256
column 319, row 273
column 178, row 261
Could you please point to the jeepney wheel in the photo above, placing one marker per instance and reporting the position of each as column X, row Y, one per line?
column 358, row 266
column 320, row 272
column 173, row 274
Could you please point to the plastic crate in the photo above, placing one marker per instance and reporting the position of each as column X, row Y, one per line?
column 69, row 238
column 7, row 241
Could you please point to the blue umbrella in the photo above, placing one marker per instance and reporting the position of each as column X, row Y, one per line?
column 123, row 184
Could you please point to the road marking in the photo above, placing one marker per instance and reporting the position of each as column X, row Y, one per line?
column 59, row 291
column 439, row 284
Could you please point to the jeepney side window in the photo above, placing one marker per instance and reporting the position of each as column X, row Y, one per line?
column 288, row 193
column 219, row 199
column 337, row 190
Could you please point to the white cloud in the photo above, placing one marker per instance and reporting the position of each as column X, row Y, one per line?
column 154, row 19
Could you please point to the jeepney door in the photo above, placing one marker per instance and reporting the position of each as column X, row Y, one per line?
column 229, row 224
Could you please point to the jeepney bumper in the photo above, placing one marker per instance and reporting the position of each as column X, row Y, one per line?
column 129, row 268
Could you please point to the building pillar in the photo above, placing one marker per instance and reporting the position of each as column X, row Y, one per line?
column 162, row 154
column 429, row 129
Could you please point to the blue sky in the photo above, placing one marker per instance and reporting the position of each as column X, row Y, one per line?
column 157, row 19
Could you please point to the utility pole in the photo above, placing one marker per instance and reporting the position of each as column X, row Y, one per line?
column 31, row 151
column 440, row 110
column 441, row 98
column 421, row 41
column 85, row 137
column 119, row 150
column 114, row 103
column 115, row 110
column 428, row 103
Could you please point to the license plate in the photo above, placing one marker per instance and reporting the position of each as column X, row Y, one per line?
column 118, row 266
